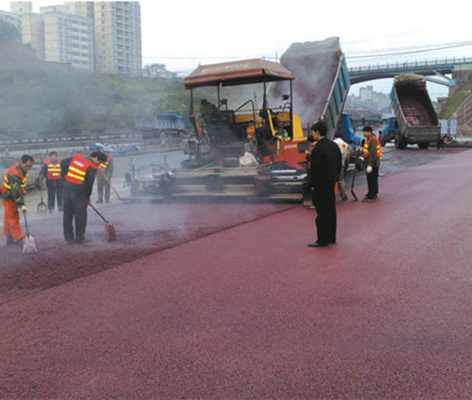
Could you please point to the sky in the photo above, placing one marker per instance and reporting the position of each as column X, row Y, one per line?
column 184, row 33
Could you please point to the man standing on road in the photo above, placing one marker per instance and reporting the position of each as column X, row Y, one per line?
column 13, row 191
column 345, row 156
column 372, row 154
column 325, row 166
column 105, row 172
column 79, row 174
column 51, row 172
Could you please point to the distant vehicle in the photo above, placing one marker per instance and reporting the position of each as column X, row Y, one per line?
column 96, row 146
column 416, row 117
column 33, row 174
column 120, row 149
column 389, row 132
column 161, row 125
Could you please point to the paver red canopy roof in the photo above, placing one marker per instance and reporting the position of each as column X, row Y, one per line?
column 237, row 73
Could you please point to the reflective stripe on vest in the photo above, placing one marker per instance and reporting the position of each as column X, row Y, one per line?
column 366, row 147
column 54, row 171
column 13, row 171
column 103, row 165
column 77, row 170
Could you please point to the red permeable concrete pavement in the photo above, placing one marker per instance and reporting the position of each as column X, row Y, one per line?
column 252, row 312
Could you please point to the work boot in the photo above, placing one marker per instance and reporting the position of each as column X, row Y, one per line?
column 317, row 244
column 83, row 241
column 10, row 241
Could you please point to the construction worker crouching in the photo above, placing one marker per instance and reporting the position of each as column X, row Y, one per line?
column 346, row 155
column 13, row 191
column 51, row 172
column 105, row 173
column 79, row 175
column 372, row 153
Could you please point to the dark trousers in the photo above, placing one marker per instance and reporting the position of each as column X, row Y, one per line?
column 75, row 208
column 324, row 201
column 373, row 183
column 54, row 191
column 103, row 184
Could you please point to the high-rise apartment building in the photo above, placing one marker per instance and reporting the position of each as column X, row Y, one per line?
column 32, row 32
column 21, row 7
column 68, row 37
column 117, row 33
column 92, row 35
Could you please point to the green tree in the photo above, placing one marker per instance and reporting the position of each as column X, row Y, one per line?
column 8, row 33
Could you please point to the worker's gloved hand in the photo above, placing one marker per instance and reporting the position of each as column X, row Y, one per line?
column 369, row 169
column 23, row 208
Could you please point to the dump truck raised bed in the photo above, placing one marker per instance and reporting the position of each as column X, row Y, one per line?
column 416, row 118
column 321, row 82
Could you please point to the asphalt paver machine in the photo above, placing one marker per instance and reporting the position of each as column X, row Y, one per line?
column 250, row 151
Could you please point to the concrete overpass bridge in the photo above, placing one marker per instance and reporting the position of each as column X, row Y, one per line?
column 438, row 67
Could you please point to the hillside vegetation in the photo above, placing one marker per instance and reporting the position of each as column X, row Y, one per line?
column 45, row 98
column 456, row 99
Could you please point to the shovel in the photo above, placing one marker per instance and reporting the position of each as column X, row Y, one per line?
column 42, row 207
column 29, row 241
column 109, row 228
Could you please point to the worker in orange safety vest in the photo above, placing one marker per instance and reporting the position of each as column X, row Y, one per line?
column 13, row 192
column 51, row 173
column 105, row 173
column 372, row 153
column 79, row 175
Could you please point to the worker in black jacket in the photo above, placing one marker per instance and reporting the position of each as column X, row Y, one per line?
column 79, row 174
column 325, row 166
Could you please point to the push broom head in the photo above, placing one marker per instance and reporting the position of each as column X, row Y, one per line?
column 110, row 230
column 42, row 207
column 29, row 244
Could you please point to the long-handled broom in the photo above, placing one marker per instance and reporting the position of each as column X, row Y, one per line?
column 109, row 228
column 29, row 241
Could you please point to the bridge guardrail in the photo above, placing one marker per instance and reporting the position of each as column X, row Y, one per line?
column 437, row 63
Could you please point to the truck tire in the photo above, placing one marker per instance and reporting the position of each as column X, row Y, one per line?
column 400, row 144
column 423, row 146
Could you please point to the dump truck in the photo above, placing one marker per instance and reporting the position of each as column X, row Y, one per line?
column 161, row 125
column 416, row 118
